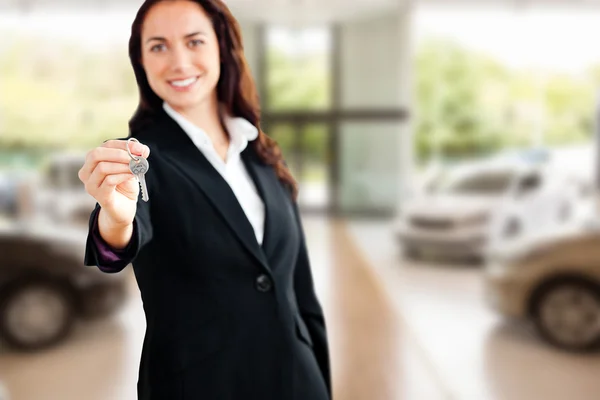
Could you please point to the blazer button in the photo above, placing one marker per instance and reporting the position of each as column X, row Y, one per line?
column 263, row 283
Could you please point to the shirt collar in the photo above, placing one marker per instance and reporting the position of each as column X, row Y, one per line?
column 240, row 130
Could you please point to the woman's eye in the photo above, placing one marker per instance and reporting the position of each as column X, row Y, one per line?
column 196, row 42
column 157, row 47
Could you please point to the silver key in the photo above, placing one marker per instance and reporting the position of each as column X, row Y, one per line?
column 139, row 168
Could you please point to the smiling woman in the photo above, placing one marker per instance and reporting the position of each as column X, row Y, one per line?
column 218, row 248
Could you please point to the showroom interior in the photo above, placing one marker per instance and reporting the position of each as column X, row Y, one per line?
column 337, row 82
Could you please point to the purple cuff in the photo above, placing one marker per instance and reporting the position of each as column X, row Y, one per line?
column 110, row 259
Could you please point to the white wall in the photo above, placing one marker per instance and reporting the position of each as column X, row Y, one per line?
column 375, row 156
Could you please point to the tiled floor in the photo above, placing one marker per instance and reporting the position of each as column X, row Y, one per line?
column 373, row 357
column 398, row 331
column 476, row 355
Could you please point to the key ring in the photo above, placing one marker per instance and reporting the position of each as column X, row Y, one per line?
column 129, row 151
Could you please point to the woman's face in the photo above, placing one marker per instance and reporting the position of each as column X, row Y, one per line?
column 180, row 54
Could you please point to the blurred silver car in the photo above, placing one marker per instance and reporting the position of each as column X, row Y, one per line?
column 463, row 210
column 44, row 286
column 552, row 280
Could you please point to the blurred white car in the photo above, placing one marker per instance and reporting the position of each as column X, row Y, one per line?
column 58, row 194
column 462, row 210
column 552, row 279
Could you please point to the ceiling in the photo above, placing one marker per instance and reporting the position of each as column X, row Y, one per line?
column 313, row 11
column 263, row 10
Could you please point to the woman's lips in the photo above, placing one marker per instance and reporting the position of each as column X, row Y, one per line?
column 184, row 85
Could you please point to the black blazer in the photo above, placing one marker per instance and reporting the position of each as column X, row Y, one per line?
column 227, row 318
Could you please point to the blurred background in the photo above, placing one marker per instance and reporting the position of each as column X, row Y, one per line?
column 447, row 160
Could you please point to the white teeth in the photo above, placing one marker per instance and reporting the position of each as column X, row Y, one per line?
column 184, row 83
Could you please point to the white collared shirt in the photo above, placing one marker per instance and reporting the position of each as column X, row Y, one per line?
column 232, row 169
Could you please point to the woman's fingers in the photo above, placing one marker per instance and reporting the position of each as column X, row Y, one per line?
column 103, row 170
column 136, row 148
column 99, row 155
column 108, row 186
column 111, row 181
column 111, row 151
column 107, row 166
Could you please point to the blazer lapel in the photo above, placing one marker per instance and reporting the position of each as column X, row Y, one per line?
column 182, row 153
column 264, row 176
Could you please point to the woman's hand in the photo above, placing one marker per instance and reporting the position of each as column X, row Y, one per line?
column 107, row 178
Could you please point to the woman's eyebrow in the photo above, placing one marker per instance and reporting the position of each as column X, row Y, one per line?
column 162, row 39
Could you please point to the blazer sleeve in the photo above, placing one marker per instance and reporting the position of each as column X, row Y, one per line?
column 310, row 307
column 109, row 259
column 97, row 253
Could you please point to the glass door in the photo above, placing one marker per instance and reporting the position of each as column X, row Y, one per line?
column 306, row 150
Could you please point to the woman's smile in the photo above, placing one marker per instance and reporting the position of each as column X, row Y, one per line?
column 184, row 85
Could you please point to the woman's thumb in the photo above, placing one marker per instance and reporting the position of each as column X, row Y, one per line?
column 140, row 149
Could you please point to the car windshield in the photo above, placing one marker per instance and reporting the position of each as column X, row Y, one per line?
column 492, row 182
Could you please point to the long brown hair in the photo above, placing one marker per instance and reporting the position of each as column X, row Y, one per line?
column 235, row 88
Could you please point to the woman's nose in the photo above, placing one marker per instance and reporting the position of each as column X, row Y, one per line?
column 180, row 58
